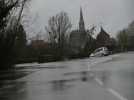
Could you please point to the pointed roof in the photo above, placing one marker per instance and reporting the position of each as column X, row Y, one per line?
column 103, row 38
column 102, row 31
column 81, row 21
column 81, row 15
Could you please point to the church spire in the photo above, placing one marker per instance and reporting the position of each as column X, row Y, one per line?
column 81, row 21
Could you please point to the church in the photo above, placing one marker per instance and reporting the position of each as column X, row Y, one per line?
column 78, row 38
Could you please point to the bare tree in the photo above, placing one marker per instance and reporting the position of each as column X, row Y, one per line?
column 22, row 5
column 92, row 30
column 127, row 35
column 58, row 27
column 8, row 36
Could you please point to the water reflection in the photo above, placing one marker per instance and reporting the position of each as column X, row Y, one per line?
column 10, row 88
column 121, row 80
column 104, row 76
column 13, row 91
column 87, row 76
column 59, row 85
column 62, row 85
column 65, row 85
column 84, row 75
column 6, row 77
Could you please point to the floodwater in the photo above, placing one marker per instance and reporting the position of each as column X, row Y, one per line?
column 84, row 79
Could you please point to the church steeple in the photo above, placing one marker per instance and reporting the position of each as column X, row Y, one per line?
column 81, row 21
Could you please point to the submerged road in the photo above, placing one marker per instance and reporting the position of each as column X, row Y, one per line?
column 103, row 78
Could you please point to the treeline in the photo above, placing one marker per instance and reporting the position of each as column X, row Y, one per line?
column 125, row 38
column 10, row 32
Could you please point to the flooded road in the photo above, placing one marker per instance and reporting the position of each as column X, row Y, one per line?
column 118, row 75
column 104, row 78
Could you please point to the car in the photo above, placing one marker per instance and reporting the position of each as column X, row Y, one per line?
column 102, row 51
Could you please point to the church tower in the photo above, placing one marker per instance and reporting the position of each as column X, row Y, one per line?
column 81, row 22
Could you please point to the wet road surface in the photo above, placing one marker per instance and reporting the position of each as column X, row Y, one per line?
column 104, row 78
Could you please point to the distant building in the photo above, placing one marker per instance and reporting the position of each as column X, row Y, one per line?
column 37, row 44
column 78, row 38
column 103, row 39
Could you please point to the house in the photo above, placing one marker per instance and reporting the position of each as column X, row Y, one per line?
column 103, row 38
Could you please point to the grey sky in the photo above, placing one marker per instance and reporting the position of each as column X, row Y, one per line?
column 113, row 15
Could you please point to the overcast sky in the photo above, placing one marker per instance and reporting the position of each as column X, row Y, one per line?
column 113, row 15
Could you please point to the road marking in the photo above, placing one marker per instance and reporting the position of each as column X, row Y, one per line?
column 99, row 81
column 115, row 93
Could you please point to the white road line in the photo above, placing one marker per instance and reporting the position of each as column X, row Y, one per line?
column 99, row 81
column 115, row 93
